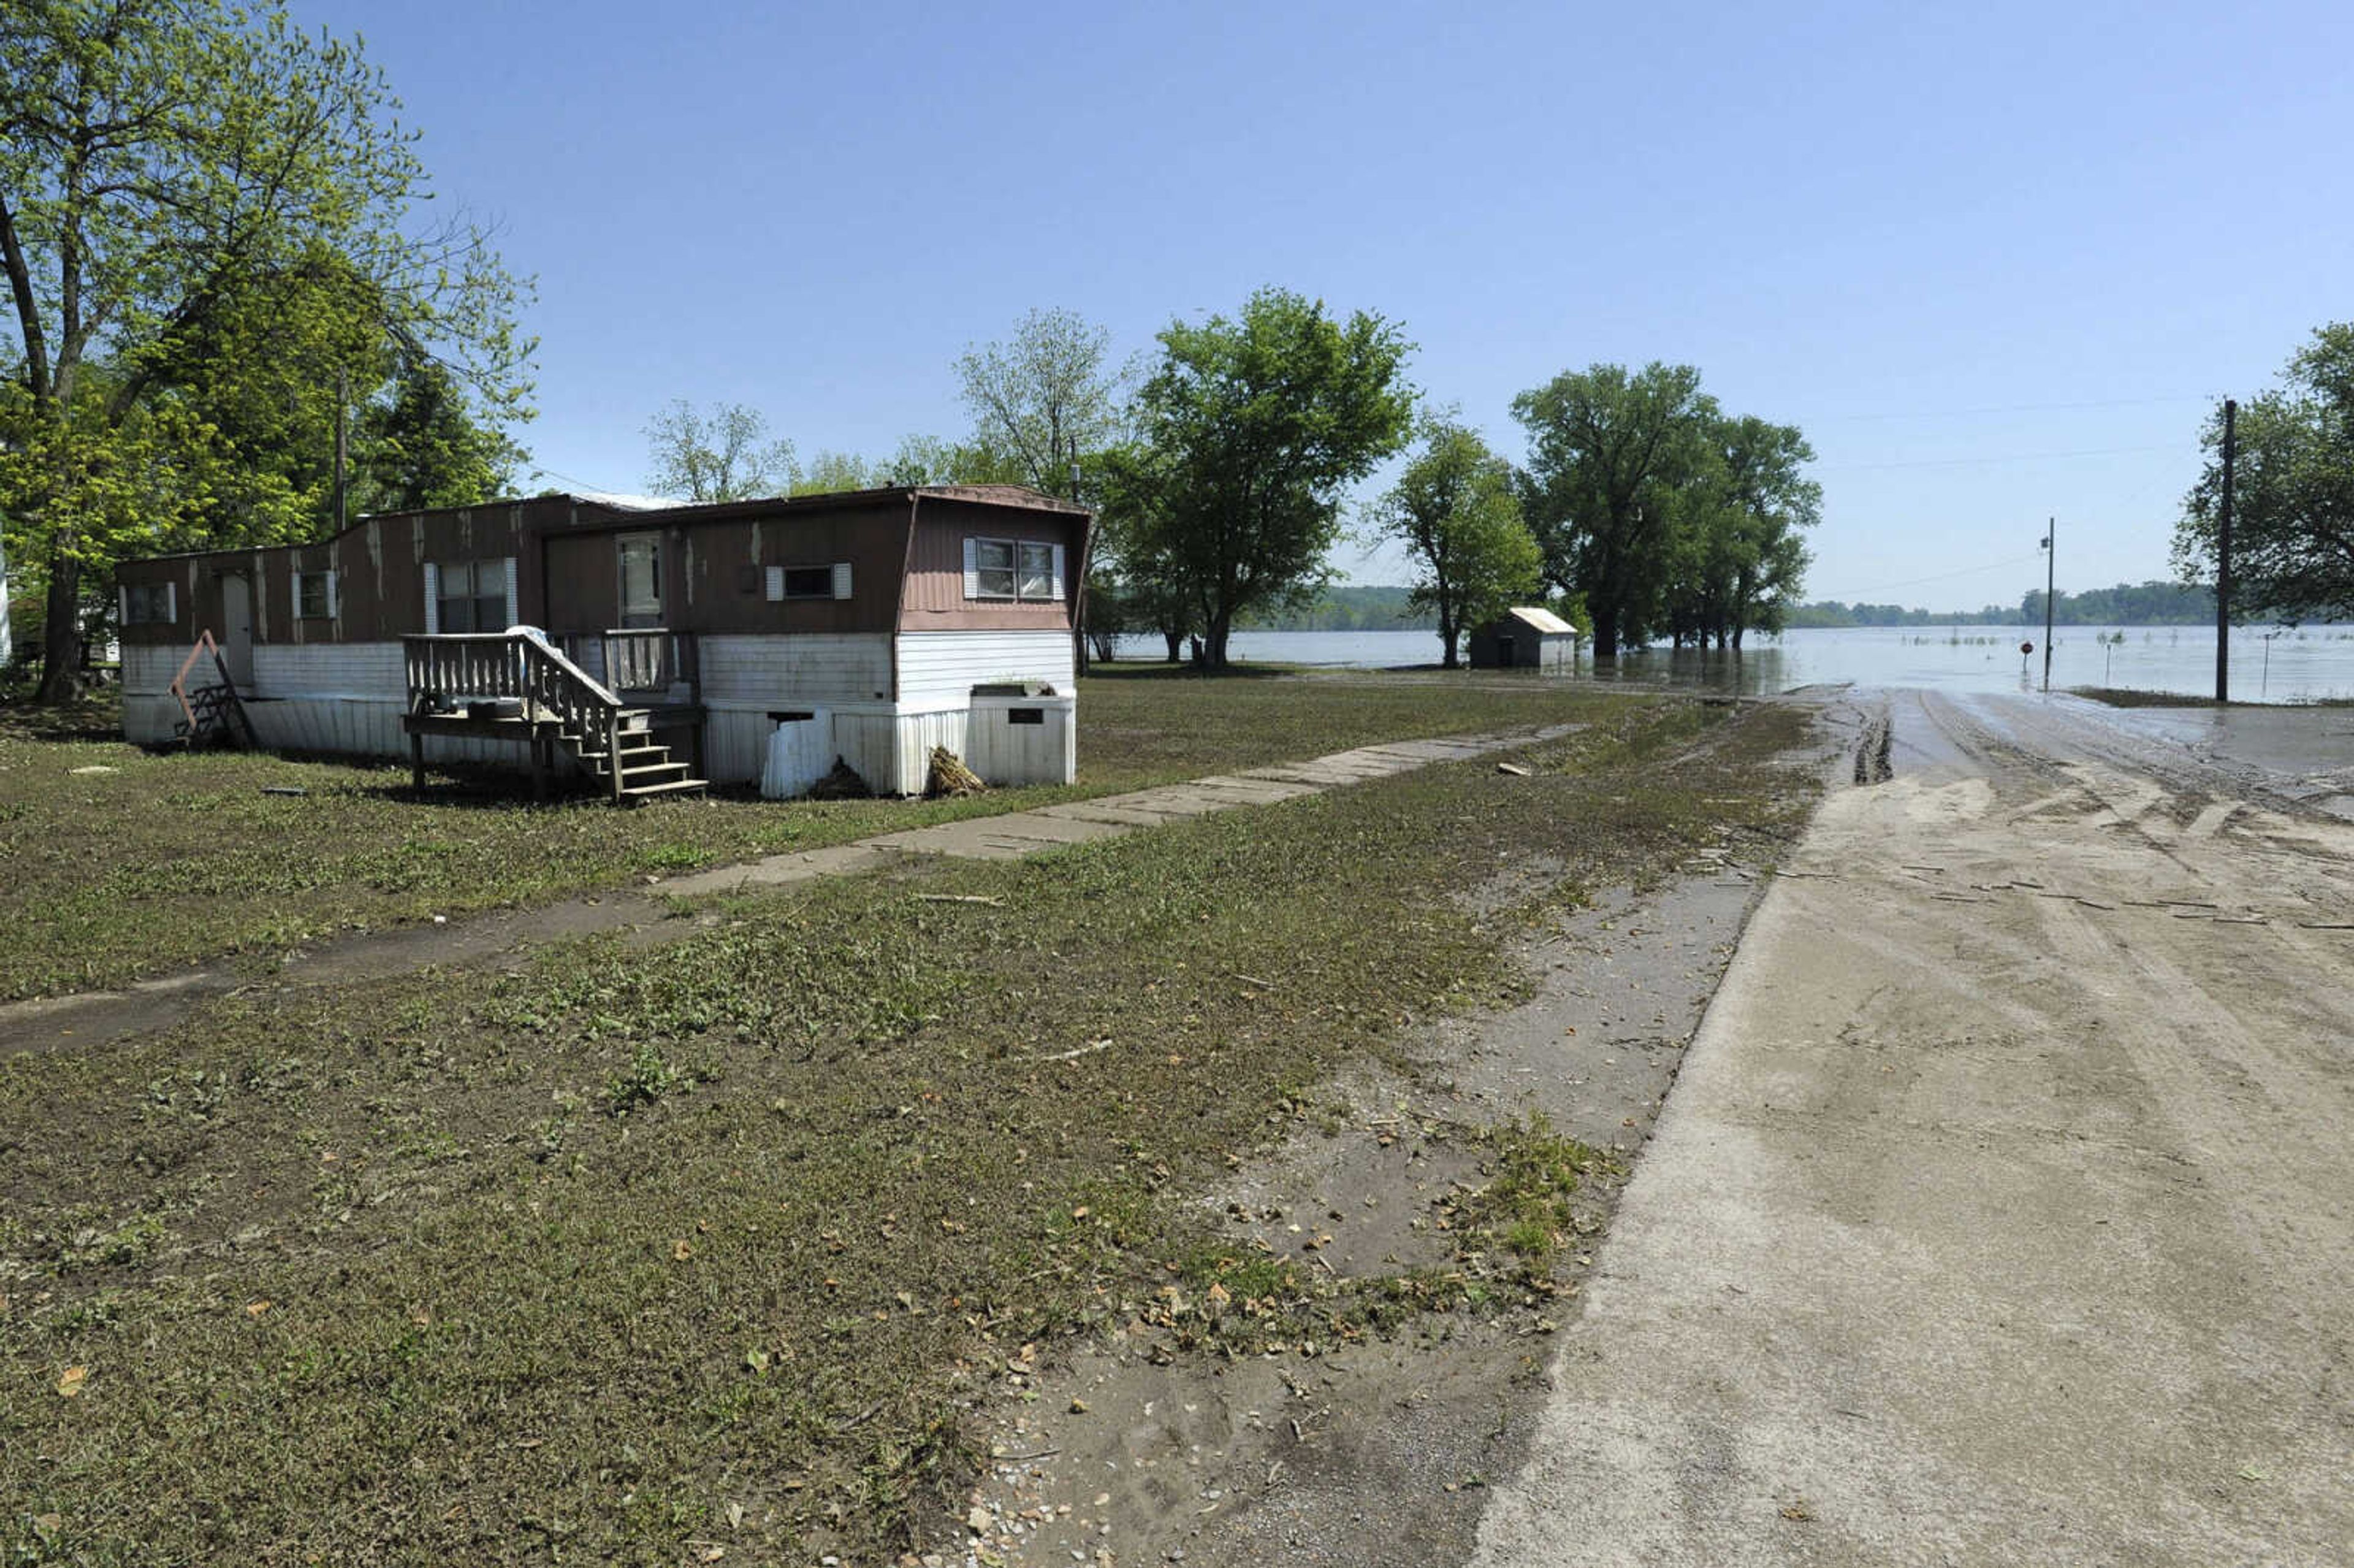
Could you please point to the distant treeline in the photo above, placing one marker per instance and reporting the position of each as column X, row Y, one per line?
column 2127, row 604
column 1351, row 608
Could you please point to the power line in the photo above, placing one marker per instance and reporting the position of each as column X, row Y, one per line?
column 575, row 479
column 1943, row 576
column 2010, row 456
column 2005, row 408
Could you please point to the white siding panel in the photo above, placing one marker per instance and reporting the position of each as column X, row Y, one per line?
column 370, row 671
column 735, row 745
column 363, row 727
column 893, row 752
column 919, row 733
column 1004, row 753
column 148, row 668
column 804, row 669
column 939, row 669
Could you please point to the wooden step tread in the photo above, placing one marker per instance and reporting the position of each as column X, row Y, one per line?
column 675, row 787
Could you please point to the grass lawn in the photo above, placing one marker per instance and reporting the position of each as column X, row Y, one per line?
column 631, row 1253
column 729, row 1242
column 163, row 860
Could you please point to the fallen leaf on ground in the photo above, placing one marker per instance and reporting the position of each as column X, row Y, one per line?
column 69, row 1382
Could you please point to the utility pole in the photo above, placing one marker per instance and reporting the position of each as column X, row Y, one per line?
column 2050, row 557
column 343, row 396
column 2223, row 561
column 1078, row 590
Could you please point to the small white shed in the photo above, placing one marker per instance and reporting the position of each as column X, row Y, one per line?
column 1528, row 637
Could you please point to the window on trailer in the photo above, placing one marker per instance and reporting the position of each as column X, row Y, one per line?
column 473, row 595
column 149, row 604
column 1013, row 569
column 800, row 582
column 315, row 595
column 640, row 573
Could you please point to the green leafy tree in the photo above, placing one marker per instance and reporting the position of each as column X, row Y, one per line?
column 1250, row 429
column 722, row 455
column 1045, row 406
column 1739, row 561
column 174, row 175
column 1455, row 509
column 1129, row 560
column 1609, row 453
column 2292, row 526
column 1044, row 399
column 421, row 446
column 831, row 472
column 928, row 459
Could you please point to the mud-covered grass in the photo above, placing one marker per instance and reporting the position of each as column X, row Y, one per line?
column 2126, row 697
column 631, row 1255
column 155, row 861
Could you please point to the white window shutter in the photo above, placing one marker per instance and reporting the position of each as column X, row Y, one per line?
column 123, row 604
column 296, row 577
column 514, row 608
column 172, row 603
column 776, row 584
column 334, row 606
column 1058, row 571
column 842, row 579
column 973, row 568
column 432, row 600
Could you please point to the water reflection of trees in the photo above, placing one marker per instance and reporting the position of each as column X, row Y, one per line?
column 1738, row 673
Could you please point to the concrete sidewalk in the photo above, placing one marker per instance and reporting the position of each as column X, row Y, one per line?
column 1019, row 833
column 90, row 1016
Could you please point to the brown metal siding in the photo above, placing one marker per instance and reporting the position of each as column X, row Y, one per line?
column 935, row 597
column 583, row 583
column 714, row 575
column 906, row 551
column 380, row 575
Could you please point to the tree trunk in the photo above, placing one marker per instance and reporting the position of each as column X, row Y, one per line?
column 1448, row 635
column 1220, row 627
column 61, row 654
column 1605, row 634
column 1176, row 644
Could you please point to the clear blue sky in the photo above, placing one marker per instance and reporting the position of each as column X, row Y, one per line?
column 1948, row 241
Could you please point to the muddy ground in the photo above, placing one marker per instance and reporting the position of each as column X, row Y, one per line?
column 1379, row 1453
column 2000, row 1212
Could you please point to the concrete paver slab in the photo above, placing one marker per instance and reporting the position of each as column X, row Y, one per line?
column 781, row 869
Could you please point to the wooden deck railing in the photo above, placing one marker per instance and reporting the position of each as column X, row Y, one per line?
column 640, row 659
column 515, row 666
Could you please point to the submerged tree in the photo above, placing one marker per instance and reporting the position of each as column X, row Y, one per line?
column 1739, row 563
column 1455, row 509
column 1609, row 454
column 2292, row 530
column 195, row 198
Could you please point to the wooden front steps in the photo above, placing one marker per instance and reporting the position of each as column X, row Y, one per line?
column 539, row 697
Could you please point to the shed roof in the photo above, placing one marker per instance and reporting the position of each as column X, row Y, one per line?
column 1536, row 618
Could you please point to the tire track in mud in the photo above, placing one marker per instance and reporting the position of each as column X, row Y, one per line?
column 1989, row 1229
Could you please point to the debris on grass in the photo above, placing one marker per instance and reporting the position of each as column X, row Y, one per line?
column 950, row 777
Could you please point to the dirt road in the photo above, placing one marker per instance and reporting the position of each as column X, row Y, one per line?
column 2004, row 1212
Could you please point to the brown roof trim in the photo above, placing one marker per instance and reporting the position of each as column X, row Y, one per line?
column 601, row 514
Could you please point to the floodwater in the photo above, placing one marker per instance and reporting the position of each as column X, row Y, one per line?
column 2308, row 664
